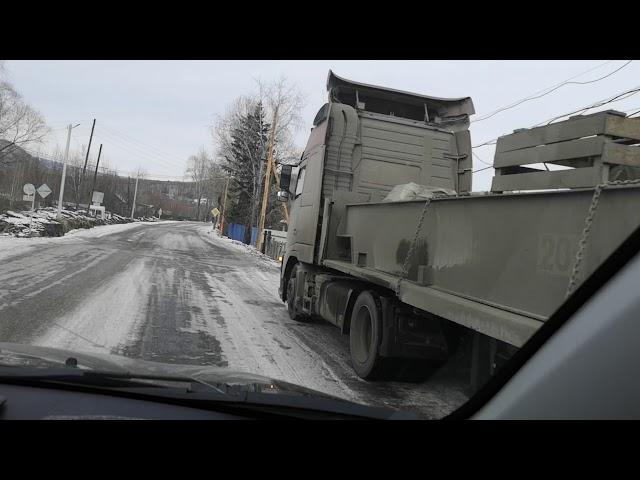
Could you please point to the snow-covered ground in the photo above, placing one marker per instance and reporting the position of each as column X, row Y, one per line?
column 10, row 245
column 44, row 222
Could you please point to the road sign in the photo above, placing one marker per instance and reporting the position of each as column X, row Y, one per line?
column 215, row 212
column 30, row 198
column 29, row 189
column 44, row 190
column 97, row 198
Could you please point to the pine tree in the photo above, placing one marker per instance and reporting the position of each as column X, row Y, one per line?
column 245, row 164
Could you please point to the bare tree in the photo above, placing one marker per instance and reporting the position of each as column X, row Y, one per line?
column 74, row 173
column 20, row 124
column 287, row 100
column 198, row 169
column 282, row 103
column 216, row 182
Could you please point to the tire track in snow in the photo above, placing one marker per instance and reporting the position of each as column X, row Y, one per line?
column 108, row 318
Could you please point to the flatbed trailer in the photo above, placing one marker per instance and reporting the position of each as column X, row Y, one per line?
column 407, row 279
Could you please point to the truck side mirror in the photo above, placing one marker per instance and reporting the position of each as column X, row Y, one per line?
column 285, row 177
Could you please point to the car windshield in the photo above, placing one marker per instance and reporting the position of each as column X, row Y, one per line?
column 426, row 225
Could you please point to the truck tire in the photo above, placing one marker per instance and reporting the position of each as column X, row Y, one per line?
column 365, row 335
column 292, row 308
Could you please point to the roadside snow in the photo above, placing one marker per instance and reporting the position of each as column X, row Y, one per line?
column 10, row 245
column 214, row 236
column 101, row 231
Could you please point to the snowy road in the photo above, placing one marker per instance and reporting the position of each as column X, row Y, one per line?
column 173, row 292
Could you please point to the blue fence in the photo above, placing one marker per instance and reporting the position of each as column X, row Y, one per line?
column 235, row 231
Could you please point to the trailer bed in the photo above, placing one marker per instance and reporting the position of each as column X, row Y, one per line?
column 499, row 264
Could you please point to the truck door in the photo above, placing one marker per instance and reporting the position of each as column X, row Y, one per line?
column 305, row 206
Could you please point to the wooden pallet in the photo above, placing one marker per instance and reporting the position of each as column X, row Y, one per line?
column 598, row 148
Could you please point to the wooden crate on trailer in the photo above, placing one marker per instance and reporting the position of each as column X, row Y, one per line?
column 598, row 148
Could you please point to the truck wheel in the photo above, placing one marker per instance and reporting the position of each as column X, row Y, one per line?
column 294, row 313
column 365, row 334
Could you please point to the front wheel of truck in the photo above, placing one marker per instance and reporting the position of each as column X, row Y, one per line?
column 365, row 335
column 292, row 304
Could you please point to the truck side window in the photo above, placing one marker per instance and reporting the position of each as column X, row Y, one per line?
column 300, row 182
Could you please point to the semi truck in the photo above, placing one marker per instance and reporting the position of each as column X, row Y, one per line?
column 387, row 241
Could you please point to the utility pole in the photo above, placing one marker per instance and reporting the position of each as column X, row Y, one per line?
column 284, row 205
column 64, row 172
column 86, row 158
column 95, row 175
column 267, row 179
column 135, row 193
column 224, row 207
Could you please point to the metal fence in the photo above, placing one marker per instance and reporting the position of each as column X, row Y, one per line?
column 236, row 231
column 274, row 243
column 274, row 240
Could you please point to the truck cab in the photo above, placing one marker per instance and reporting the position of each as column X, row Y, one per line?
column 366, row 140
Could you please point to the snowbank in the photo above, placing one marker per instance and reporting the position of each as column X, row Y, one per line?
column 11, row 245
column 44, row 222
column 236, row 245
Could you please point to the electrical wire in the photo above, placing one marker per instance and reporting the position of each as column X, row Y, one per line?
column 136, row 152
column 132, row 140
column 481, row 160
column 134, row 148
column 552, row 89
column 107, row 170
column 616, row 98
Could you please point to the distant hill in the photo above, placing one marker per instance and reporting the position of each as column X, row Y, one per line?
column 10, row 153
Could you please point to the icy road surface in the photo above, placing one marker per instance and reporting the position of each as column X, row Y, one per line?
column 174, row 292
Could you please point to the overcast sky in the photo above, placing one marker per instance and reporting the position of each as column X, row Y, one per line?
column 154, row 114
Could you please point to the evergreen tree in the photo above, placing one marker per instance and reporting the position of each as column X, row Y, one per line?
column 245, row 164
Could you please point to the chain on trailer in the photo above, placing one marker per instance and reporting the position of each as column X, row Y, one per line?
column 586, row 231
column 412, row 247
column 581, row 245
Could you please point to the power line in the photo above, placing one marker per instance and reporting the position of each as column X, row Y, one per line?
column 138, row 148
column 106, row 170
column 551, row 89
column 137, row 151
column 132, row 140
column 134, row 148
column 616, row 98
column 481, row 160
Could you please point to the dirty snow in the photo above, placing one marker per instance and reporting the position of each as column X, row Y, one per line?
column 414, row 191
